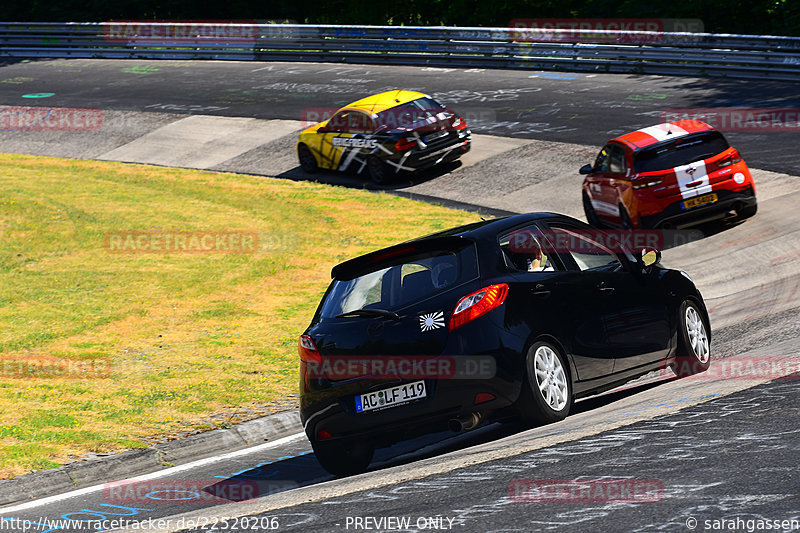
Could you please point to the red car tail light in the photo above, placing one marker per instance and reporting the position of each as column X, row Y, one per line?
column 404, row 144
column 643, row 183
column 728, row 161
column 649, row 180
column 459, row 124
column 308, row 350
column 478, row 304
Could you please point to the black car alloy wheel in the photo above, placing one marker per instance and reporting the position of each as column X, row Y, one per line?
column 547, row 392
column 694, row 355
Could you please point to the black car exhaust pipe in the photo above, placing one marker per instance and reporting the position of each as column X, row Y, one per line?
column 465, row 423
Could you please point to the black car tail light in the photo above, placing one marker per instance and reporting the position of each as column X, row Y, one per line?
column 308, row 350
column 483, row 397
column 477, row 304
column 405, row 144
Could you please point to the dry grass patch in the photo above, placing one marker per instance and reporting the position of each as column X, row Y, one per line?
column 194, row 340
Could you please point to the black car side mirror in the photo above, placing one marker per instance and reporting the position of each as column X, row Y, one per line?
column 649, row 257
column 586, row 169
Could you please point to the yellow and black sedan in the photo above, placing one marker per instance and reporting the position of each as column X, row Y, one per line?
column 384, row 135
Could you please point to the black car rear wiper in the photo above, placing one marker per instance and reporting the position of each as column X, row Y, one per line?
column 370, row 312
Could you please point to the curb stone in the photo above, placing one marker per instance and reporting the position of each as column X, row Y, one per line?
column 131, row 463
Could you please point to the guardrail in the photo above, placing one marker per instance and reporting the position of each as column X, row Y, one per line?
column 639, row 52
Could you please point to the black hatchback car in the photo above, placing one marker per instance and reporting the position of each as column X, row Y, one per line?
column 512, row 317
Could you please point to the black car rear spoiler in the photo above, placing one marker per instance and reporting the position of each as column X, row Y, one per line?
column 396, row 254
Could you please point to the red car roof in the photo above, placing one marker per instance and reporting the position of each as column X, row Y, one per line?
column 661, row 132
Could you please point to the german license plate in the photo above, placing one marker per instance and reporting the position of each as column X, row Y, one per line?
column 392, row 397
column 434, row 136
column 700, row 200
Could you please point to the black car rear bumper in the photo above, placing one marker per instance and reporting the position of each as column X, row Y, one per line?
column 441, row 152
column 445, row 401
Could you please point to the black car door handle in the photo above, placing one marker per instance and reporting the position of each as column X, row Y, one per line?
column 605, row 289
column 540, row 290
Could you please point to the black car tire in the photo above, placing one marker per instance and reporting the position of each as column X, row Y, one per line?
column 344, row 458
column 307, row 160
column 378, row 170
column 533, row 406
column 694, row 354
column 591, row 214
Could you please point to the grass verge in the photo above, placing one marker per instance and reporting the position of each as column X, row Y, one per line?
column 179, row 341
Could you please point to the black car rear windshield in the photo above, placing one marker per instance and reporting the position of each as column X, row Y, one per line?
column 405, row 281
column 680, row 151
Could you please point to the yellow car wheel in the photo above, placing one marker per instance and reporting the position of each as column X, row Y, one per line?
column 307, row 160
column 378, row 170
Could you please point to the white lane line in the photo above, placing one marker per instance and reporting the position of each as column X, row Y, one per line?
column 152, row 475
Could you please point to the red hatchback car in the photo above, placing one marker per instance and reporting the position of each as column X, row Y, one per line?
column 670, row 175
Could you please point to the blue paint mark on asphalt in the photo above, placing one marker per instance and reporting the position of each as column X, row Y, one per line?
column 556, row 76
column 257, row 468
column 38, row 95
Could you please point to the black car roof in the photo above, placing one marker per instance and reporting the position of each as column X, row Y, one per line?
column 449, row 238
column 491, row 227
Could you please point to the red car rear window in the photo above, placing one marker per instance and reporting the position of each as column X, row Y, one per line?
column 680, row 151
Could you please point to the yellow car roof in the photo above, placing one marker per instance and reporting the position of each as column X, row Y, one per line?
column 381, row 102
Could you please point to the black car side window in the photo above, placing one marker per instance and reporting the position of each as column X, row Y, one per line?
column 523, row 250
column 583, row 247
